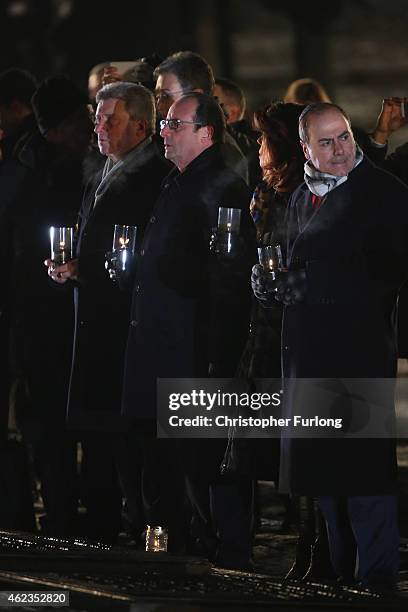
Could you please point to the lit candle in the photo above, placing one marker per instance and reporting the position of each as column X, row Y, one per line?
column 123, row 242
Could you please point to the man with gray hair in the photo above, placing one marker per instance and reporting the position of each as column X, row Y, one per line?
column 123, row 192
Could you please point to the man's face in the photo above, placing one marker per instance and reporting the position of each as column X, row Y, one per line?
column 331, row 147
column 74, row 135
column 185, row 143
column 117, row 132
column 168, row 90
column 234, row 112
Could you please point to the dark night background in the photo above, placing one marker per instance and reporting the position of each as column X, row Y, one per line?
column 357, row 49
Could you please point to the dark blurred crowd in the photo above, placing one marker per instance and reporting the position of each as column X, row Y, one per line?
column 161, row 144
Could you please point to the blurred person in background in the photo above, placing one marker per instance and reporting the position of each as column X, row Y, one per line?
column 232, row 99
column 49, row 194
column 306, row 91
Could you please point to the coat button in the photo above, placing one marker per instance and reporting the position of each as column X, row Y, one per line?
column 152, row 219
column 286, row 347
column 133, row 323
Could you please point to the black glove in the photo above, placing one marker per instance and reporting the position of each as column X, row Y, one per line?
column 290, row 286
column 263, row 285
column 117, row 268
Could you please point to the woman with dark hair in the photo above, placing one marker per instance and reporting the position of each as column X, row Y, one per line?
column 281, row 159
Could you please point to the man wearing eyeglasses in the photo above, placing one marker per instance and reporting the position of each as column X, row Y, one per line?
column 190, row 319
column 184, row 72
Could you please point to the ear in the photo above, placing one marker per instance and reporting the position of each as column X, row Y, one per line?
column 141, row 126
column 207, row 133
column 305, row 149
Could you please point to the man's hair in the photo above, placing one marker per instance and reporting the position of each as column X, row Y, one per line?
column 316, row 109
column 139, row 101
column 191, row 70
column 16, row 84
column 233, row 93
column 208, row 113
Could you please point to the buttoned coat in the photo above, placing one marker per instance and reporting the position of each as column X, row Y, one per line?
column 101, row 307
column 187, row 316
column 355, row 253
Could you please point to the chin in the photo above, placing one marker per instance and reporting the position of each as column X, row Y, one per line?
column 341, row 170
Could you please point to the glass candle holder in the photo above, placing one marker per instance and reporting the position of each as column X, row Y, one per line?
column 123, row 246
column 156, row 539
column 270, row 258
column 61, row 239
column 229, row 220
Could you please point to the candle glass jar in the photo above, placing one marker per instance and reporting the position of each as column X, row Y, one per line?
column 156, row 539
column 61, row 239
column 123, row 246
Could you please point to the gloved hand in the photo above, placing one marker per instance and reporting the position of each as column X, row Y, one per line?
column 112, row 265
column 263, row 285
column 290, row 287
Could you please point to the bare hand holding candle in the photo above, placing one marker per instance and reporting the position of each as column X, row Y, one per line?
column 61, row 266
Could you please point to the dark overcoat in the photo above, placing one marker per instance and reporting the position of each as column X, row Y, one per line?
column 177, row 328
column 355, row 253
column 101, row 308
column 43, row 188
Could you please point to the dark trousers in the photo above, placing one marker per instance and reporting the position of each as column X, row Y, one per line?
column 363, row 537
column 53, row 452
column 100, row 490
column 153, row 483
column 223, row 504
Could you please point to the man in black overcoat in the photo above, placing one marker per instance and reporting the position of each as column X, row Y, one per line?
column 48, row 182
column 189, row 319
column 122, row 193
column 347, row 258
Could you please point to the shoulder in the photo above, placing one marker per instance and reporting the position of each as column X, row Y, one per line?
column 300, row 194
column 378, row 180
column 223, row 182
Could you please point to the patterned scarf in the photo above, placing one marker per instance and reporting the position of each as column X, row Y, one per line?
column 320, row 183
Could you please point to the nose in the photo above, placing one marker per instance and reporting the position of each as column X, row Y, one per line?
column 99, row 127
column 165, row 130
column 338, row 147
